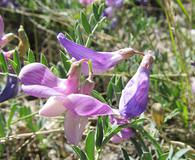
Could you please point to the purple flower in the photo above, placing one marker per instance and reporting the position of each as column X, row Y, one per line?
column 134, row 96
column 5, row 3
column 124, row 134
column 86, row 2
column 112, row 6
column 114, row 23
column 4, row 38
column 193, row 63
column 142, row 2
column 114, row 3
column 64, row 97
column 37, row 80
column 10, row 90
column 101, row 61
column 109, row 12
column 11, row 87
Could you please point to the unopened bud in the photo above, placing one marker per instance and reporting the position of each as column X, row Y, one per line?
column 157, row 114
column 23, row 42
column 147, row 61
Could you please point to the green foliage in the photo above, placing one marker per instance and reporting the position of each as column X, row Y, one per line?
column 43, row 59
column 99, row 133
column 85, row 23
column 65, row 61
column 31, row 56
column 125, row 154
column 3, row 64
column 80, row 153
column 98, row 96
column 90, row 145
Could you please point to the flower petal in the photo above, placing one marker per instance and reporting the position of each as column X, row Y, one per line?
column 101, row 61
column 39, row 81
column 74, row 126
column 87, row 87
column 125, row 134
column 10, row 90
column 76, row 50
column 134, row 96
column 85, row 105
column 109, row 12
column 40, row 91
column 53, row 107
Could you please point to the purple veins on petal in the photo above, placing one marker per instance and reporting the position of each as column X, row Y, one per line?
column 39, row 81
column 10, row 90
column 134, row 96
column 101, row 61
column 79, row 108
column 84, row 105
column 80, row 52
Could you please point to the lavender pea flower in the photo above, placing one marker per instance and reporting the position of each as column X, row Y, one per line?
column 101, row 61
column 11, row 87
column 109, row 12
column 64, row 97
column 112, row 6
column 10, row 90
column 134, row 96
column 114, row 3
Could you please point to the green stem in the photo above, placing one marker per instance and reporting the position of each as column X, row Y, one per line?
column 25, row 117
column 93, row 31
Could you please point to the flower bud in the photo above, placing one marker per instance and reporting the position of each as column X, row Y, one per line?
column 134, row 96
column 23, row 42
column 157, row 114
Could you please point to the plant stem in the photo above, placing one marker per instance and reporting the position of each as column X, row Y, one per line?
column 25, row 135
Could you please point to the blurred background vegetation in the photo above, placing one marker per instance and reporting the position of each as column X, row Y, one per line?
column 166, row 27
